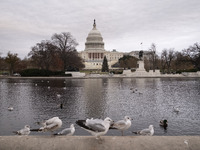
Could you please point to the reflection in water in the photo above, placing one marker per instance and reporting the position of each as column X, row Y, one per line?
column 153, row 99
column 93, row 97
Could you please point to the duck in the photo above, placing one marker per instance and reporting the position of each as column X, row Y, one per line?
column 164, row 123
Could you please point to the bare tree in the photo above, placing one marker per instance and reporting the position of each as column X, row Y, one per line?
column 11, row 60
column 3, row 64
column 128, row 61
column 74, row 62
column 65, row 44
column 193, row 53
column 153, row 55
column 42, row 54
column 181, row 62
column 167, row 56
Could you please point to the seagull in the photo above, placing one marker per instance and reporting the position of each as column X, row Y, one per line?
column 58, row 95
column 50, row 125
column 176, row 109
column 149, row 131
column 96, row 127
column 122, row 124
column 10, row 108
column 68, row 131
column 24, row 131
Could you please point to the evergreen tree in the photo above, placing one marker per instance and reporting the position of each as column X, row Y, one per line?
column 105, row 65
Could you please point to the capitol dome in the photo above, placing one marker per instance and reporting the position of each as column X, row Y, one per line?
column 94, row 41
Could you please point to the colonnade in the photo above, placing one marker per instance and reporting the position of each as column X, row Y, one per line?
column 94, row 56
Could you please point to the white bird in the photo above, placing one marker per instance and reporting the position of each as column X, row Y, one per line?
column 96, row 127
column 122, row 124
column 64, row 88
column 48, row 87
column 186, row 142
column 149, row 131
column 58, row 95
column 50, row 125
column 24, row 131
column 176, row 109
column 10, row 108
column 68, row 131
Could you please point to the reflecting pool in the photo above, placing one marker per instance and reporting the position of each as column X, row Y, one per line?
column 145, row 100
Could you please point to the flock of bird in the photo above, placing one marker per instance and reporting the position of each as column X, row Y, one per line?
column 96, row 127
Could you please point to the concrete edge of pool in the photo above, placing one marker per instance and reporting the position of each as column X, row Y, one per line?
column 106, row 143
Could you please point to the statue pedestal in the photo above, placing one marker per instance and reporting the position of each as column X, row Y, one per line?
column 140, row 66
column 141, row 72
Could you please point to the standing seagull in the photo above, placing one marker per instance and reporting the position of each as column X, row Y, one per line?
column 50, row 125
column 68, row 131
column 122, row 124
column 24, row 131
column 149, row 131
column 96, row 127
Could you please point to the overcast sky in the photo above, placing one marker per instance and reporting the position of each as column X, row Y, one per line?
column 124, row 24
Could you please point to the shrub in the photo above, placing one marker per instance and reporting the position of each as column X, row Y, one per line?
column 41, row 72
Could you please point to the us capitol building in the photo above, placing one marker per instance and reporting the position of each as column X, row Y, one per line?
column 94, row 52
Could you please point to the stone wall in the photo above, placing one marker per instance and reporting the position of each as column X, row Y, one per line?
column 191, row 74
column 75, row 74
column 106, row 143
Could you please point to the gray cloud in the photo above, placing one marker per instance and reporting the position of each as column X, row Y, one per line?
column 124, row 24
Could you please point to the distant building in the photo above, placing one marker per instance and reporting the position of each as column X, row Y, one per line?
column 94, row 51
